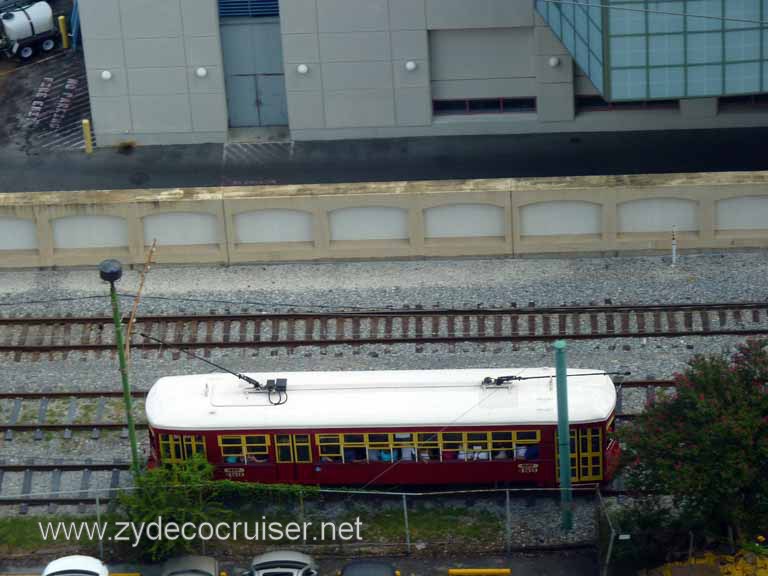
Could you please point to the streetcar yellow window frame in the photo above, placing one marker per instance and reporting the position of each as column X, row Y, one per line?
column 330, row 446
column 171, row 448
column 377, row 440
column 591, row 453
column 193, row 444
column 245, row 446
column 527, row 436
column 283, row 448
column 428, row 446
column 302, row 449
column 428, row 439
column 175, row 448
column 292, row 448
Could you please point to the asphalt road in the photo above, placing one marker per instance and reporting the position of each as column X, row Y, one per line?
column 378, row 160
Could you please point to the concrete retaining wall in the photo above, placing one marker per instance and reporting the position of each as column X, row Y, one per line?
column 384, row 220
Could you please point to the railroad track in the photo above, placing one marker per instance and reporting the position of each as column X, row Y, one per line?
column 47, row 412
column 32, row 338
column 57, row 475
column 34, row 411
column 52, row 473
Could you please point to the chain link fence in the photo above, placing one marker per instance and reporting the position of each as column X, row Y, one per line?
column 487, row 521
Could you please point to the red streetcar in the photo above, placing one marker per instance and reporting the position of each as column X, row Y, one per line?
column 385, row 427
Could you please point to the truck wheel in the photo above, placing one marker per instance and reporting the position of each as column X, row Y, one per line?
column 26, row 52
column 48, row 45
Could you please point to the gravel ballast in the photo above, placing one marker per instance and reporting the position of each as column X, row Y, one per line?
column 490, row 282
column 439, row 283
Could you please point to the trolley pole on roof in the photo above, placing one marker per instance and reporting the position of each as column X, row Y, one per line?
column 563, row 437
column 111, row 271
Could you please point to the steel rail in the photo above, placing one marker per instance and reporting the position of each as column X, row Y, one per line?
column 282, row 343
column 418, row 326
column 397, row 312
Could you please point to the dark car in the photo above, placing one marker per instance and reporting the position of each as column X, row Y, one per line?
column 369, row 568
column 282, row 563
column 191, row 566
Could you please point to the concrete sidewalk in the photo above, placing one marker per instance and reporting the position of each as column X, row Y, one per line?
column 385, row 160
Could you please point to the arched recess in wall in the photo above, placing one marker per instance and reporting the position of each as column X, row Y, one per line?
column 742, row 213
column 17, row 234
column 273, row 225
column 89, row 231
column 657, row 215
column 561, row 218
column 464, row 221
column 368, row 223
column 181, row 228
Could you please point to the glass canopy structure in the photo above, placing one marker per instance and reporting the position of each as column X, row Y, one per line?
column 643, row 50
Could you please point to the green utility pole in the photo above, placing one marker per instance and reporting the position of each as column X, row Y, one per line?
column 563, row 437
column 111, row 271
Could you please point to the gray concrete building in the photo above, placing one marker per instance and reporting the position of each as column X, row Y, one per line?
column 191, row 71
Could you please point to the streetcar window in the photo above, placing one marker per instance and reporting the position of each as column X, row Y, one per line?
column 420, row 446
column 527, row 436
column 171, row 448
column 354, row 439
column 378, row 440
column 428, row 440
column 301, row 447
column 193, row 444
column 250, row 449
column 477, row 440
column 283, row 450
column 574, row 457
column 590, row 454
column 329, row 448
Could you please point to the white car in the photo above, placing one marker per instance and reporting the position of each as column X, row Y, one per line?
column 76, row 566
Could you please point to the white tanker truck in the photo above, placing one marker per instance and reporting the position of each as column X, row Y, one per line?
column 26, row 28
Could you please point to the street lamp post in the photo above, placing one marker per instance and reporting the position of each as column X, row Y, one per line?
column 111, row 271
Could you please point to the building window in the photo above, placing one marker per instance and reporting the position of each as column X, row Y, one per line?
column 248, row 8
column 483, row 106
column 741, row 103
column 596, row 103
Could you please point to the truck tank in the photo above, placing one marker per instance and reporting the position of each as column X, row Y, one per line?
column 23, row 23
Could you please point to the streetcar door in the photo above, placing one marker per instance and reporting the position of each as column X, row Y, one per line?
column 291, row 451
column 586, row 455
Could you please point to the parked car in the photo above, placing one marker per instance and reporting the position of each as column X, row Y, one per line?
column 369, row 568
column 282, row 563
column 191, row 566
column 76, row 566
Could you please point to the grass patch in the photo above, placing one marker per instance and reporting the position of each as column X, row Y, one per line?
column 57, row 411
column 86, row 412
column 22, row 534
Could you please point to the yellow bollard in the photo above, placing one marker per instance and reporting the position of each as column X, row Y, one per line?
column 479, row 572
column 64, row 33
column 87, row 136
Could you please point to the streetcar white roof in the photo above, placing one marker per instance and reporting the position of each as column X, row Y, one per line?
column 372, row 399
